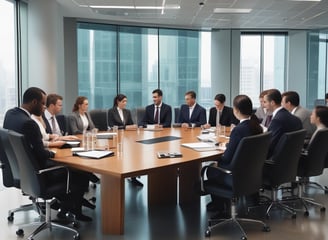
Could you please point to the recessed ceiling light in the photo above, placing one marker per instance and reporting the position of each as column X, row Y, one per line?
column 232, row 10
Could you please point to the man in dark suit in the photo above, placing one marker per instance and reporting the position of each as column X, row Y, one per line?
column 192, row 112
column 19, row 120
column 221, row 114
column 282, row 120
column 159, row 112
column 291, row 101
column 55, row 124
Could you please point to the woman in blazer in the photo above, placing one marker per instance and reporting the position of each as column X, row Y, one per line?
column 118, row 115
column 80, row 120
column 249, row 125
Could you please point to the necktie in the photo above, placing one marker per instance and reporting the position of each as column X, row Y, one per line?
column 268, row 120
column 156, row 119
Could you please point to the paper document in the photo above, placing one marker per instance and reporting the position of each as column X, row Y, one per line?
column 201, row 146
column 94, row 154
column 106, row 135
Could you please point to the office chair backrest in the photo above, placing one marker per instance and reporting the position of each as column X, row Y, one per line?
column 10, row 170
column 247, row 164
column 285, row 157
column 314, row 163
column 63, row 123
column 176, row 114
column 99, row 118
column 139, row 115
column 31, row 182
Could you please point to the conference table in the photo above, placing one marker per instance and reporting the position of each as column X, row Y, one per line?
column 139, row 157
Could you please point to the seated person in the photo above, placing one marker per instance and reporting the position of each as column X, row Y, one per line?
column 249, row 125
column 221, row 114
column 80, row 121
column 192, row 112
column 118, row 115
column 158, row 113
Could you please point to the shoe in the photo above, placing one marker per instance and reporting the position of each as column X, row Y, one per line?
column 88, row 204
column 136, row 182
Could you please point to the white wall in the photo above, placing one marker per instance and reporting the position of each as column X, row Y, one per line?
column 297, row 64
column 45, row 46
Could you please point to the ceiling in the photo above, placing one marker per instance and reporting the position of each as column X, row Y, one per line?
column 199, row 14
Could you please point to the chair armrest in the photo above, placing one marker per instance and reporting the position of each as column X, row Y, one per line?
column 204, row 169
column 54, row 168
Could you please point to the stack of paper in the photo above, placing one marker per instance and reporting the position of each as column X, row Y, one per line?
column 94, row 154
column 201, row 146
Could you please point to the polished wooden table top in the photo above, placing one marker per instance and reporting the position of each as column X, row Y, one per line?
column 138, row 158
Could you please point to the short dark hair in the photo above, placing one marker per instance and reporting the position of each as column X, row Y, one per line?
column 322, row 113
column 33, row 93
column 220, row 97
column 158, row 91
column 118, row 98
column 52, row 98
column 191, row 93
column 274, row 95
column 292, row 97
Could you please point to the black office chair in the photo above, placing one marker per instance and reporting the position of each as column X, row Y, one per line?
column 312, row 163
column 34, row 182
column 139, row 115
column 246, row 178
column 10, row 171
column 282, row 167
column 99, row 118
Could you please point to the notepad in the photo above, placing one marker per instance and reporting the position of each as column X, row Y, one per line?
column 94, row 154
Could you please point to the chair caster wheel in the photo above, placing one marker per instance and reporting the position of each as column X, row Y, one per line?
column 294, row 216
column 266, row 229
column 207, row 233
column 20, row 232
column 75, row 224
column 323, row 209
column 306, row 214
column 243, row 238
column 10, row 218
column 76, row 237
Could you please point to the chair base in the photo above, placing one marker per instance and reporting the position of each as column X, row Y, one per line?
column 308, row 201
column 235, row 220
column 49, row 224
column 22, row 208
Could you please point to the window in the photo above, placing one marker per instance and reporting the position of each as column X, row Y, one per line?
column 136, row 60
column 262, row 63
column 8, row 79
column 317, row 81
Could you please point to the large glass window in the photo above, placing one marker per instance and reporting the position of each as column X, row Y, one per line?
column 135, row 61
column 8, row 76
column 317, row 82
column 262, row 63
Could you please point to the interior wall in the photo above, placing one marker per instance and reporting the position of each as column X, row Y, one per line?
column 297, row 64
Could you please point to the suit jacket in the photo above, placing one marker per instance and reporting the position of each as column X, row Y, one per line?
column 304, row 115
column 114, row 118
column 281, row 123
column 198, row 115
column 240, row 131
column 227, row 117
column 165, row 117
column 19, row 121
column 61, row 120
column 76, row 124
